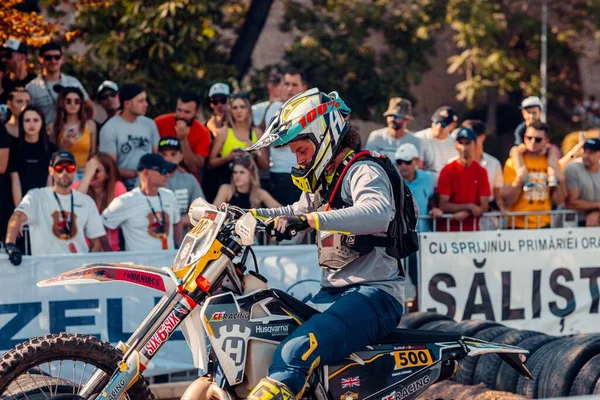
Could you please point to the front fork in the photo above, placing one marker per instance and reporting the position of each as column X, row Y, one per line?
column 151, row 335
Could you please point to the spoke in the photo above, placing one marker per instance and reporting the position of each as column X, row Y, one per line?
column 36, row 384
column 82, row 375
column 11, row 393
column 45, row 377
column 74, row 387
column 23, row 391
column 58, row 377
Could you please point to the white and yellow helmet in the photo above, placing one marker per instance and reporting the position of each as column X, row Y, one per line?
column 310, row 115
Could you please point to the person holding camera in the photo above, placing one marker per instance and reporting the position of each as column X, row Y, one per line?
column 59, row 217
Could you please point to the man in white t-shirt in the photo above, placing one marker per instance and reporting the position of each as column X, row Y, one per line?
column 437, row 139
column 387, row 140
column 263, row 112
column 148, row 215
column 129, row 135
column 59, row 218
column 282, row 158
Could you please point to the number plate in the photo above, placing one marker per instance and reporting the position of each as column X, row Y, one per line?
column 412, row 358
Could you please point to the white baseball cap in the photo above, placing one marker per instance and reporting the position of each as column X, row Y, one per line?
column 406, row 152
column 531, row 101
column 219, row 88
column 108, row 85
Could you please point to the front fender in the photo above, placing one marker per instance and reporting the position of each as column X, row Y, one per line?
column 149, row 277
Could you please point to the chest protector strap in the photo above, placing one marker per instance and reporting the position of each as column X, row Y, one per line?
column 364, row 244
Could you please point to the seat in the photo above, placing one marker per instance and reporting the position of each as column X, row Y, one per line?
column 418, row 336
column 300, row 309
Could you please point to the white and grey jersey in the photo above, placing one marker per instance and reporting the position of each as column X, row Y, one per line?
column 366, row 188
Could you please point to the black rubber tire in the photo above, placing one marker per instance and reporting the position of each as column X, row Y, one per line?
column 586, row 379
column 489, row 365
column 466, row 366
column 535, row 364
column 440, row 325
column 507, row 378
column 416, row 320
column 470, row 327
column 565, row 364
column 66, row 346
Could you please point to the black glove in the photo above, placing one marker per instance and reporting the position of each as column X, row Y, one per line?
column 285, row 228
column 14, row 254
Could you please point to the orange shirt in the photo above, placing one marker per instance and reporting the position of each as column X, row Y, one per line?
column 199, row 137
column 537, row 199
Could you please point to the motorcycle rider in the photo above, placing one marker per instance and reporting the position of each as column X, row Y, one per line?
column 363, row 284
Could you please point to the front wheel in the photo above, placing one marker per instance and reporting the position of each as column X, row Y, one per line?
column 56, row 364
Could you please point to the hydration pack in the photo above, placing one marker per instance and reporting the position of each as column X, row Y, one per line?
column 402, row 239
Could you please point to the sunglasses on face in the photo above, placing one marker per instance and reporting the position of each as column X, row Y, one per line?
column 162, row 171
column 442, row 123
column 70, row 168
column 396, row 116
column 403, row 162
column 106, row 95
column 54, row 57
column 218, row 100
column 535, row 139
column 73, row 101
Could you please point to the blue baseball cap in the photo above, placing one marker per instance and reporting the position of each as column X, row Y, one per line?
column 466, row 133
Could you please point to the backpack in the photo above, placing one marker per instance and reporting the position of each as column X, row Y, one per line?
column 402, row 238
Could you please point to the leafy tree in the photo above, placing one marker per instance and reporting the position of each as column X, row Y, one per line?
column 368, row 50
column 168, row 46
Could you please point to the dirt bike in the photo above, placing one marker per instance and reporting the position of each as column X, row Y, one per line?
column 232, row 323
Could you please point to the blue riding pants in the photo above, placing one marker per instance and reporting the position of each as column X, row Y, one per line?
column 358, row 316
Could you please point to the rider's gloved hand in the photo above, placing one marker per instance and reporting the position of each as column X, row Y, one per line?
column 14, row 254
column 286, row 227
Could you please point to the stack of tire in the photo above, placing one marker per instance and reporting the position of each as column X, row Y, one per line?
column 561, row 366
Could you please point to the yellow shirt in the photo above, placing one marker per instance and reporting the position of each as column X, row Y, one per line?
column 232, row 142
column 81, row 148
column 537, row 199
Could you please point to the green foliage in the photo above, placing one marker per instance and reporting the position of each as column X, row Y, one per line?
column 168, row 46
column 369, row 50
column 499, row 48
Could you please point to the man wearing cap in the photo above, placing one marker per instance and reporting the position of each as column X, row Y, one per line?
column 194, row 137
column 437, row 139
column 44, row 89
column 108, row 96
column 218, row 95
column 127, row 136
column 387, row 140
column 583, row 184
column 59, row 218
column 148, row 215
column 420, row 182
column 531, row 110
column 463, row 187
column 14, row 54
column 182, row 183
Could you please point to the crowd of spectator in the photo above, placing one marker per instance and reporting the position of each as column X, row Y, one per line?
column 125, row 182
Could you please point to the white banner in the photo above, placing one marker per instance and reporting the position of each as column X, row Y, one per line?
column 112, row 311
column 544, row 280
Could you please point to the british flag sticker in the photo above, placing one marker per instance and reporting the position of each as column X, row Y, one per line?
column 350, row 382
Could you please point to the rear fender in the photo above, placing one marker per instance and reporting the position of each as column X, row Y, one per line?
column 149, row 277
column 512, row 355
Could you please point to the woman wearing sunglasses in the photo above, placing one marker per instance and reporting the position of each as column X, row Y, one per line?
column 30, row 154
column 101, row 182
column 72, row 130
column 244, row 190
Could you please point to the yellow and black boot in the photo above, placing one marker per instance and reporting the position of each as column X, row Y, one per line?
column 270, row 389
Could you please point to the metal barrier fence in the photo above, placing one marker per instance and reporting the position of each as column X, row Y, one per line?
column 496, row 220
column 488, row 221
